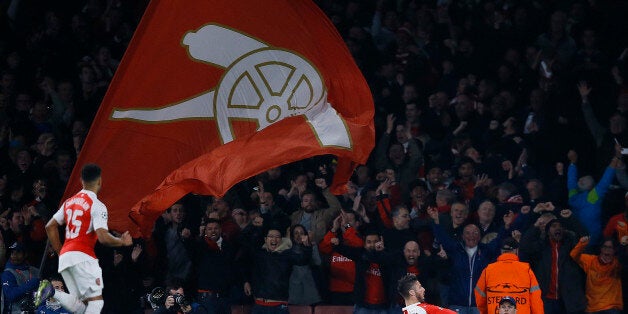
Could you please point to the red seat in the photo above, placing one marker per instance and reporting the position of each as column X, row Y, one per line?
column 300, row 309
column 240, row 309
column 333, row 309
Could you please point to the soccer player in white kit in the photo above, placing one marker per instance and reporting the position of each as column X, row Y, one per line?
column 85, row 218
column 413, row 294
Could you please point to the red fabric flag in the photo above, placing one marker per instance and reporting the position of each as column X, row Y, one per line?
column 210, row 93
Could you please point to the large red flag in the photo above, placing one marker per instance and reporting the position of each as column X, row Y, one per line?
column 210, row 93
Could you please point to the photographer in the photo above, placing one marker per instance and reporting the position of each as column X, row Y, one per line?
column 19, row 279
column 176, row 301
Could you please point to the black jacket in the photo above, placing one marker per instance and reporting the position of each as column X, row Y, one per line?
column 216, row 269
column 571, row 279
column 269, row 272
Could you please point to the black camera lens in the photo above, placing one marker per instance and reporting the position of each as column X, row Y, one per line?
column 181, row 300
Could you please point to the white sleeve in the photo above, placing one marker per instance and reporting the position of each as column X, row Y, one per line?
column 99, row 216
column 59, row 216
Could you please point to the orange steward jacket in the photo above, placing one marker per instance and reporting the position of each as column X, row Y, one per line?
column 508, row 277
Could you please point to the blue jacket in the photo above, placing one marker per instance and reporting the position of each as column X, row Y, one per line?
column 465, row 271
column 14, row 290
column 49, row 307
column 587, row 205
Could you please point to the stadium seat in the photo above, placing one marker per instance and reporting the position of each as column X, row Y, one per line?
column 333, row 309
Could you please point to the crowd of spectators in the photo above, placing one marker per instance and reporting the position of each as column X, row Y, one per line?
column 494, row 119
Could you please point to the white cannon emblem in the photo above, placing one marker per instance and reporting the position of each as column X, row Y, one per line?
column 261, row 83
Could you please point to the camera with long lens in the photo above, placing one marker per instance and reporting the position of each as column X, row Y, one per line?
column 181, row 300
column 157, row 297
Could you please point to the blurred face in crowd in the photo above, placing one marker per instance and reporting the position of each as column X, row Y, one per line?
column 412, row 112
column 607, row 252
column 23, row 102
column 486, row 212
column 444, row 197
column 471, row 236
column 104, row 55
column 362, row 174
column 536, row 100
column 24, row 160
column 473, row 153
column 177, row 291
column 266, row 200
column 585, row 183
column 17, row 257
column 87, row 75
column 459, row 213
column 418, row 195
column 221, row 207
column 7, row 82
column 396, row 154
column 64, row 163
column 300, row 180
column 411, row 252
column 272, row 240
column 17, row 221
column 409, row 94
column 17, row 193
column 46, row 144
column 352, row 188
column 438, row 101
column 535, row 189
column 308, row 203
column 79, row 128
column 240, row 217
column 466, row 170
column 463, row 107
column 557, row 24
column 39, row 189
column 555, row 231
column 400, row 133
column 65, row 91
column 370, row 200
column 503, row 194
column 544, row 219
column 402, row 220
column 297, row 233
column 349, row 219
column 617, row 124
column 435, row 176
column 370, row 241
column 177, row 213
column 213, row 231
column 58, row 285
